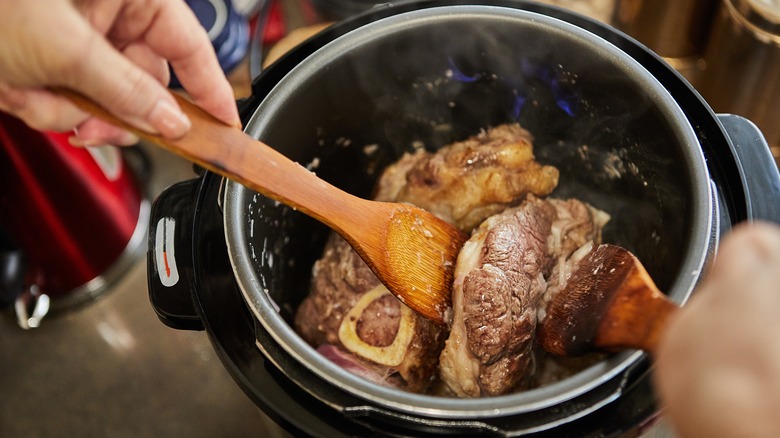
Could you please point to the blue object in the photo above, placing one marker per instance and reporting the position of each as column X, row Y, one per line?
column 227, row 29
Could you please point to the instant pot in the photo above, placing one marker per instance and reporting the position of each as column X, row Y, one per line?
column 627, row 132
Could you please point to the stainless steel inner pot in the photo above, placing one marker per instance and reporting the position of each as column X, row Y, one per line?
column 435, row 75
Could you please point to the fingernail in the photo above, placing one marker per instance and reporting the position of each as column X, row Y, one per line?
column 79, row 142
column 168, row 120
column 125, row 139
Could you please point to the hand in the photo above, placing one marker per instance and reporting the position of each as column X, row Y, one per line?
column 115, row 52
column 718, row 364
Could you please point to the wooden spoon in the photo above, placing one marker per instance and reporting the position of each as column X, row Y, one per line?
column 609, row 303
column 411, row 251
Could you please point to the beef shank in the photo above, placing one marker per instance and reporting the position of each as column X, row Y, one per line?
column 500, row 280
column 352, row 319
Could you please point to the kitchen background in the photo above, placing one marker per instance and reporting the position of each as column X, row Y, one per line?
column 100, row 363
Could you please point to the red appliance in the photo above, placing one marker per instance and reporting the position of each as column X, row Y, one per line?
column 72, row 218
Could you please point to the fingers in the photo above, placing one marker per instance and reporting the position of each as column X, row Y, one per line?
column 192, row 58
column 745, row 280
column 716, row 365
column 44, row 111
column 112, row 80
column 169, row 30
column 130, row 83
column 95, row 132
column 40, row 109
column 746, row 265
column 746, row 249
column 57, row 45
column 87, row 62
column 145, row 58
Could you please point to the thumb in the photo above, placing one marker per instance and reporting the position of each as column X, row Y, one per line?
column 125, row 89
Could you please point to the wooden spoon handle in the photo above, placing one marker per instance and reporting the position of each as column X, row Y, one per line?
column 230, row 152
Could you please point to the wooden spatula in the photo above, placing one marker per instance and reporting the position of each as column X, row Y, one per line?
column 609, row 303
column 411, row 251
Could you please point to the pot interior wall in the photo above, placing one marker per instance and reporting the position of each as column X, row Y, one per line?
column 413, row 86
column 365, row 99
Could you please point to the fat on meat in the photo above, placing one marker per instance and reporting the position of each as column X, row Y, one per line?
column 386, row 338
column 467, row 181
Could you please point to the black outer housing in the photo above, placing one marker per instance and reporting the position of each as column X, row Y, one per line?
column 738, row 159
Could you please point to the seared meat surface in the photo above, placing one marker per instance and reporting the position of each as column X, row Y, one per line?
column 467, row 181
column 340, row 277
column 500, row 278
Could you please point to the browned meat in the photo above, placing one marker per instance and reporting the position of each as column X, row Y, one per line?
column 468, row 181
column 576, row 224
column 356, row 320
column 339, row 278
column 352, row 318
column 500, row 278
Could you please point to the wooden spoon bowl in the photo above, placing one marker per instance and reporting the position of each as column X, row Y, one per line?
column 609, row 304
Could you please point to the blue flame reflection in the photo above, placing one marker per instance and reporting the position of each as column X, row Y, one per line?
column 566, row 100
column 555, row 80
column 458, row 75
column 518, row 106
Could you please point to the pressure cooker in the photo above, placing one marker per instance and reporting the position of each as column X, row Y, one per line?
column 627, row 132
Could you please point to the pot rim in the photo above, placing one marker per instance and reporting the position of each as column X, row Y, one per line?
column 262, row 305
